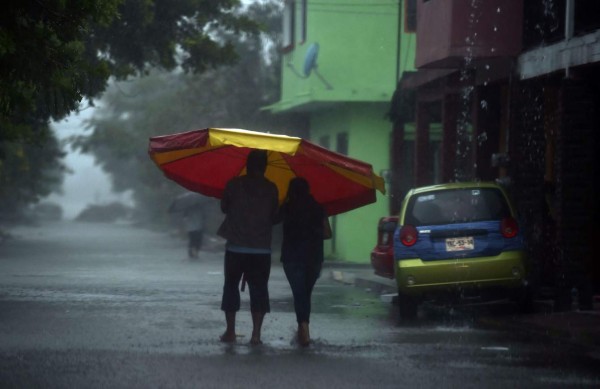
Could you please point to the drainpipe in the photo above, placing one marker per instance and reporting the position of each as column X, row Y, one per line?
column 513, row 66
column 399, row 38
column 569, row 27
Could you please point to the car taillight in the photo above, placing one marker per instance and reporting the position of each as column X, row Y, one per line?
column 509, row 227
column 408, row 235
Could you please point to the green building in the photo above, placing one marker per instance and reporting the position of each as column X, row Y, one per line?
column 341, row 61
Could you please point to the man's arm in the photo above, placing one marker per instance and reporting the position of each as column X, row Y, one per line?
column 226, row 199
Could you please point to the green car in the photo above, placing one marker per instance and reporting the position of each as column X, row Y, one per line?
column 458, row 240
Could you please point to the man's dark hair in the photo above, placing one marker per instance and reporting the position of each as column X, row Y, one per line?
column 257, row 161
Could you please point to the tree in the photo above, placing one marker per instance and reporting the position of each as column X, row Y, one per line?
column 166, row 102
column 29, row 171
column 56, row 53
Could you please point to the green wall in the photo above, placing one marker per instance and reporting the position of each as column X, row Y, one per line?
column 357, row 55
column 363, row 51
column 369, row 133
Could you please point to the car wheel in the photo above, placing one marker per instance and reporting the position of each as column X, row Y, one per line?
column 408, row 306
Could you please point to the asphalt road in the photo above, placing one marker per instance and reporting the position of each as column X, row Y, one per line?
column 112, row 306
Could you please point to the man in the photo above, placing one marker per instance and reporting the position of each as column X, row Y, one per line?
column 250, row 204
column 189, row 210
column 193, row 222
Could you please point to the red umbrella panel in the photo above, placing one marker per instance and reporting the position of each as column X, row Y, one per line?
column 205, row 160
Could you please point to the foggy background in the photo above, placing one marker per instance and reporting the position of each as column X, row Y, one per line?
column 86, row 183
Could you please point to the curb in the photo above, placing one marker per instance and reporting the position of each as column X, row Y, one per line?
column 333, row 264
column 581, row 328
column 385, row 288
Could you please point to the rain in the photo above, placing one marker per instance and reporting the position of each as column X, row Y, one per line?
column 112, row 248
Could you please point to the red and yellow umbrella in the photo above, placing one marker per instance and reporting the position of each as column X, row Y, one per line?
column 204, row 160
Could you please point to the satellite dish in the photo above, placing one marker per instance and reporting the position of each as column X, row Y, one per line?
column 310, row 60
column 310, row 65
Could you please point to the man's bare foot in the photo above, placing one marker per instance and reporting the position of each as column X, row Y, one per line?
column 255, row 341
column 227, row 337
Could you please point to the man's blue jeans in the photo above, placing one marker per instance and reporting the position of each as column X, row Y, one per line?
column 302, row 279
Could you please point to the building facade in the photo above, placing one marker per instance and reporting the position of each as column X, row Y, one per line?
column 341, row 62
column 515, row 86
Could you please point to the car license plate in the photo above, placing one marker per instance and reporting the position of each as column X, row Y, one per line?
column 460, row 244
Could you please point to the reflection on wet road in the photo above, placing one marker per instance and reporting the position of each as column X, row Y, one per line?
column 114, row 306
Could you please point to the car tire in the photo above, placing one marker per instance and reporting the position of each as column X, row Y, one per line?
column 408, row 307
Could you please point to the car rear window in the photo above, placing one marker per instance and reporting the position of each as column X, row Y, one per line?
column 456, row 206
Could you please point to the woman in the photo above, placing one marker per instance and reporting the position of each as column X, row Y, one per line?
column 302, row 249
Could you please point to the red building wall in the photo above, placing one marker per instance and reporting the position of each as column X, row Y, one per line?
column 450, row 31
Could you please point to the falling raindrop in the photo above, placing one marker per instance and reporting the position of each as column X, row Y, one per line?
column 482, row 138
column 495, row 28
column 487, row 67
column 498, row 10
column 484, row 104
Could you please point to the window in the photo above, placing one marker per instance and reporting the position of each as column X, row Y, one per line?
column 289, row 15
column 304, row 17
column 289, row 23
column 410, row 15
column 324, row 141
column 586, row 16
column 456, row 206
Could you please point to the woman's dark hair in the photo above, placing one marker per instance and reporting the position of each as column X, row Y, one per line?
column 298, row 188
column 257, row 161
column 302, row 216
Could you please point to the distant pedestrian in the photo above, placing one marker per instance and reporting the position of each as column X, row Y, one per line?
column 193, row 222
column 305, row 225
column 250, row 204
column 189, row 209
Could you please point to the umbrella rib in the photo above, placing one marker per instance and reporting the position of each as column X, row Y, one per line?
column 279, row 162
column 219, row 150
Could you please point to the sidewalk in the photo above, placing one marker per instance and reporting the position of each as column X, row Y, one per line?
column 579, row 327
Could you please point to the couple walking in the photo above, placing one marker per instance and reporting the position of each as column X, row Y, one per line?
column 250, row 204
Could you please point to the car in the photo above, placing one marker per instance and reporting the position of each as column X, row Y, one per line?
column 459, row 240
column 382, row 255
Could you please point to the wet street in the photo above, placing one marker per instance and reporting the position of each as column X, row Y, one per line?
column 112, row 306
